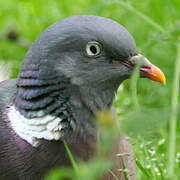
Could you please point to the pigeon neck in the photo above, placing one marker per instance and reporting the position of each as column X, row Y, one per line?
column 96, row 99
column 39, row 104
column 72, row 108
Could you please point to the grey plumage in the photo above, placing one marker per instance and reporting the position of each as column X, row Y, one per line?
column 58, row 78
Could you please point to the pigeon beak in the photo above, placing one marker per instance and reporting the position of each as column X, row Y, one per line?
column 147, row 69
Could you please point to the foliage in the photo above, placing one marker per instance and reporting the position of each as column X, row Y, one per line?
column 147, row 115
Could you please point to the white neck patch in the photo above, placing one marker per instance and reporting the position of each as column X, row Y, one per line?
column 33, row 129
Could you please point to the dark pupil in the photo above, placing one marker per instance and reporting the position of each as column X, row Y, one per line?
column 93, row 49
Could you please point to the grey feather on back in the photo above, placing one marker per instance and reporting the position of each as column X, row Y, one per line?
column 7, row 90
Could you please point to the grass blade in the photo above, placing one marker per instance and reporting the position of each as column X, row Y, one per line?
column 150, row 21
column 114, row 176
column 133, row 86
column 73, row 162
column 140, row 166
column 173, row 115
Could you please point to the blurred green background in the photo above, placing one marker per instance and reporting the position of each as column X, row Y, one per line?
column 155, row 26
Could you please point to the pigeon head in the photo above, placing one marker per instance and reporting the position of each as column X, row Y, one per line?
column 89, row 56
column 85, row 49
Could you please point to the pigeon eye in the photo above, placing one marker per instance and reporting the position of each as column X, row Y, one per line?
column 93, row 48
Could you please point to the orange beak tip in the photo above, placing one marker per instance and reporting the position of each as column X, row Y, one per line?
column 155, row 74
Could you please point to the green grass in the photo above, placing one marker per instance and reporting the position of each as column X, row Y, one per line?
column 150, row 115
column 174, row 114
